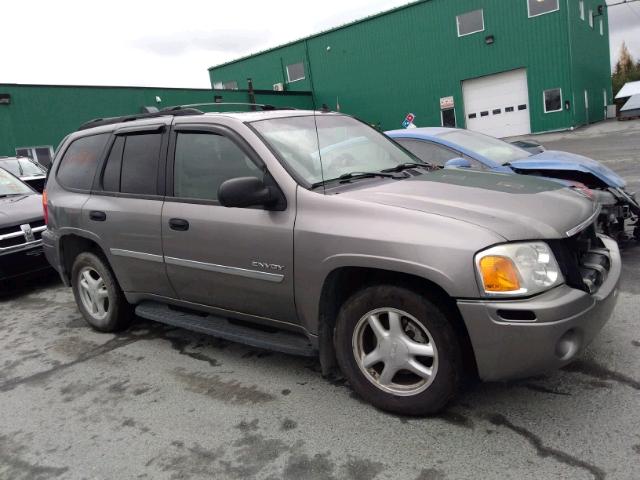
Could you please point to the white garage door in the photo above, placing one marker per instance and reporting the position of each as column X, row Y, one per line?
column 498, row 105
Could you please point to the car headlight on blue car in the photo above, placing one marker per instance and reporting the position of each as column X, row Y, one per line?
column 517, row 269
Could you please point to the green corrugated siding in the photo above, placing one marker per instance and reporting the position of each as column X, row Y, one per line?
column 44, row 115
column 588, row 51
column 405, row 61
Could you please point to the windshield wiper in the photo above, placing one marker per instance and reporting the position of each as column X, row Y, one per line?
column 407, row 166
column 357, row 176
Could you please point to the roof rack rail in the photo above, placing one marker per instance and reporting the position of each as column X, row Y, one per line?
column 264, row 106
column 173, row 111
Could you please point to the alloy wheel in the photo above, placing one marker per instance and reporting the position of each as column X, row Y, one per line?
column 93, row 293
column 395, row 352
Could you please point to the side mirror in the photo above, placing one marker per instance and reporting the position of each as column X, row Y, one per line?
column 246, row 192
column 458, row 163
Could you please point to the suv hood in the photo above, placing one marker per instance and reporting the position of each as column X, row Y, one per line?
column 553, row 160
column 516, row 207
column 20, row 209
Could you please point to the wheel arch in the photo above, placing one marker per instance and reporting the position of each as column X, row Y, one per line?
column 341, row 283
column 73, row 244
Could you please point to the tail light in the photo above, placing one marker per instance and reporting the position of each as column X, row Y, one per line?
column 45, row 207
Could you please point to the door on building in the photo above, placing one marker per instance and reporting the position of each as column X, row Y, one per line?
column 498, row 105
column 448, row 117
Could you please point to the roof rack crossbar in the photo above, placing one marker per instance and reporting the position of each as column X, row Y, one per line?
column 174, row 112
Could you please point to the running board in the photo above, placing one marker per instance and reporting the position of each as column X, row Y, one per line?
column 279, row 341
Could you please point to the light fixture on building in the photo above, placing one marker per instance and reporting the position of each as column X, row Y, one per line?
column 489, row 40
column 5, row 98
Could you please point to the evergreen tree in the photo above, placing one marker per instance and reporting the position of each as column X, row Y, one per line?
column 626, row 70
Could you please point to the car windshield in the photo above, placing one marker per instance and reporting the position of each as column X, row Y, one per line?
column 495, row 150
column 10, row 185
column 21, row 167
column 341, row 145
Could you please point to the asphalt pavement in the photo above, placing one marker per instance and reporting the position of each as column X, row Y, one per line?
column 163, row 403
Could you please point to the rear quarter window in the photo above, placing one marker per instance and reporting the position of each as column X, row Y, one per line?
column 78, row 165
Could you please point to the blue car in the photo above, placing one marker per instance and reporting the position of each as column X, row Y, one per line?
column 457, row 148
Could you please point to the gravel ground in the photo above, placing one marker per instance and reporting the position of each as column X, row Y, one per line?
column 163, row 403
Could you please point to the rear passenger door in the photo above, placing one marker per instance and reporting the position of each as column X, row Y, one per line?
column 125, row 208
column 236, row 259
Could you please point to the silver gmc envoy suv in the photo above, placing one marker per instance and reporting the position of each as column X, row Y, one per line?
column 311, row 233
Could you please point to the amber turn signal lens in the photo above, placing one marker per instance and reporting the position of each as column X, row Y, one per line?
column 499, row 274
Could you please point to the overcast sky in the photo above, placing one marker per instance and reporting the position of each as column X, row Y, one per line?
column 159, row 43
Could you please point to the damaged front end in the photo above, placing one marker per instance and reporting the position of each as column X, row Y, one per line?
column 620, row 214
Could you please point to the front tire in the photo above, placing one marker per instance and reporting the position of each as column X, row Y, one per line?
column 98, row 295
column 398, row 350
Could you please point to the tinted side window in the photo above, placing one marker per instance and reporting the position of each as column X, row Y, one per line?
column 111, row 175
column 139, row 170
column 203, row 161
column 428, row 152
column 78, row 166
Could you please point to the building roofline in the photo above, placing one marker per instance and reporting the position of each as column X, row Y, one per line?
column 323, row 32
column 3, row 84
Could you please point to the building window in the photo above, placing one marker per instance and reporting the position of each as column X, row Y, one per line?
column 295, row 72
column 470, row 22
column 601, row 27
column 232, row 85
column 540, row 7
column 581, row 9
column 218, row 86
column 553, row 100
column 43, row 155
column 591, row 18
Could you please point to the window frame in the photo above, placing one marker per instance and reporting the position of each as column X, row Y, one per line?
column 235, row 82
column 544, row 100
column 304, row 72
column 481, row 10
column 212, row 129
column 543, row 13
column 98, row 188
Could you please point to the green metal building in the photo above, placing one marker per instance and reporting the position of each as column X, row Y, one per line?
column 35, row 118
column 503, row 67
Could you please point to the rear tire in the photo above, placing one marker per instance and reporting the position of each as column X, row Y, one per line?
column 398, row 350
column 98, row 295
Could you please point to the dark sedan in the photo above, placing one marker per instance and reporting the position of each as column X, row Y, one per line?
column 21, row 227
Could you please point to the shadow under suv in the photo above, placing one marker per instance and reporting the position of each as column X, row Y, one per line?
column 313, row 234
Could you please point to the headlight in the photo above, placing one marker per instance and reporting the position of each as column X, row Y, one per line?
column 518, row 269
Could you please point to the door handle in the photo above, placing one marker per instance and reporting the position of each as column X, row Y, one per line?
column 97, row 216
column 179, row 224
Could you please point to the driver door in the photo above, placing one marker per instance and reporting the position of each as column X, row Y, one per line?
column 235, row 259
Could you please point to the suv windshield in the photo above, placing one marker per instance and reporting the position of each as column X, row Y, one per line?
column 10, row 185
column 489, row 147
column 341, row 145
column 21, row 167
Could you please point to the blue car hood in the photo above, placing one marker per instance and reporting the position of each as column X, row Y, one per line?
column 553, row 160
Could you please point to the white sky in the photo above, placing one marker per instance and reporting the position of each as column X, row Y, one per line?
column 171, row 44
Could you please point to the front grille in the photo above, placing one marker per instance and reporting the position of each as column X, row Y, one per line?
column 12, row 238
column 584, row 260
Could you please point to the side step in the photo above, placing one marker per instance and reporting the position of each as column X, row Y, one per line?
column 279, row 341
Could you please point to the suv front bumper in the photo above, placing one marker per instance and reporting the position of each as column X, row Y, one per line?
column 566, row 321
